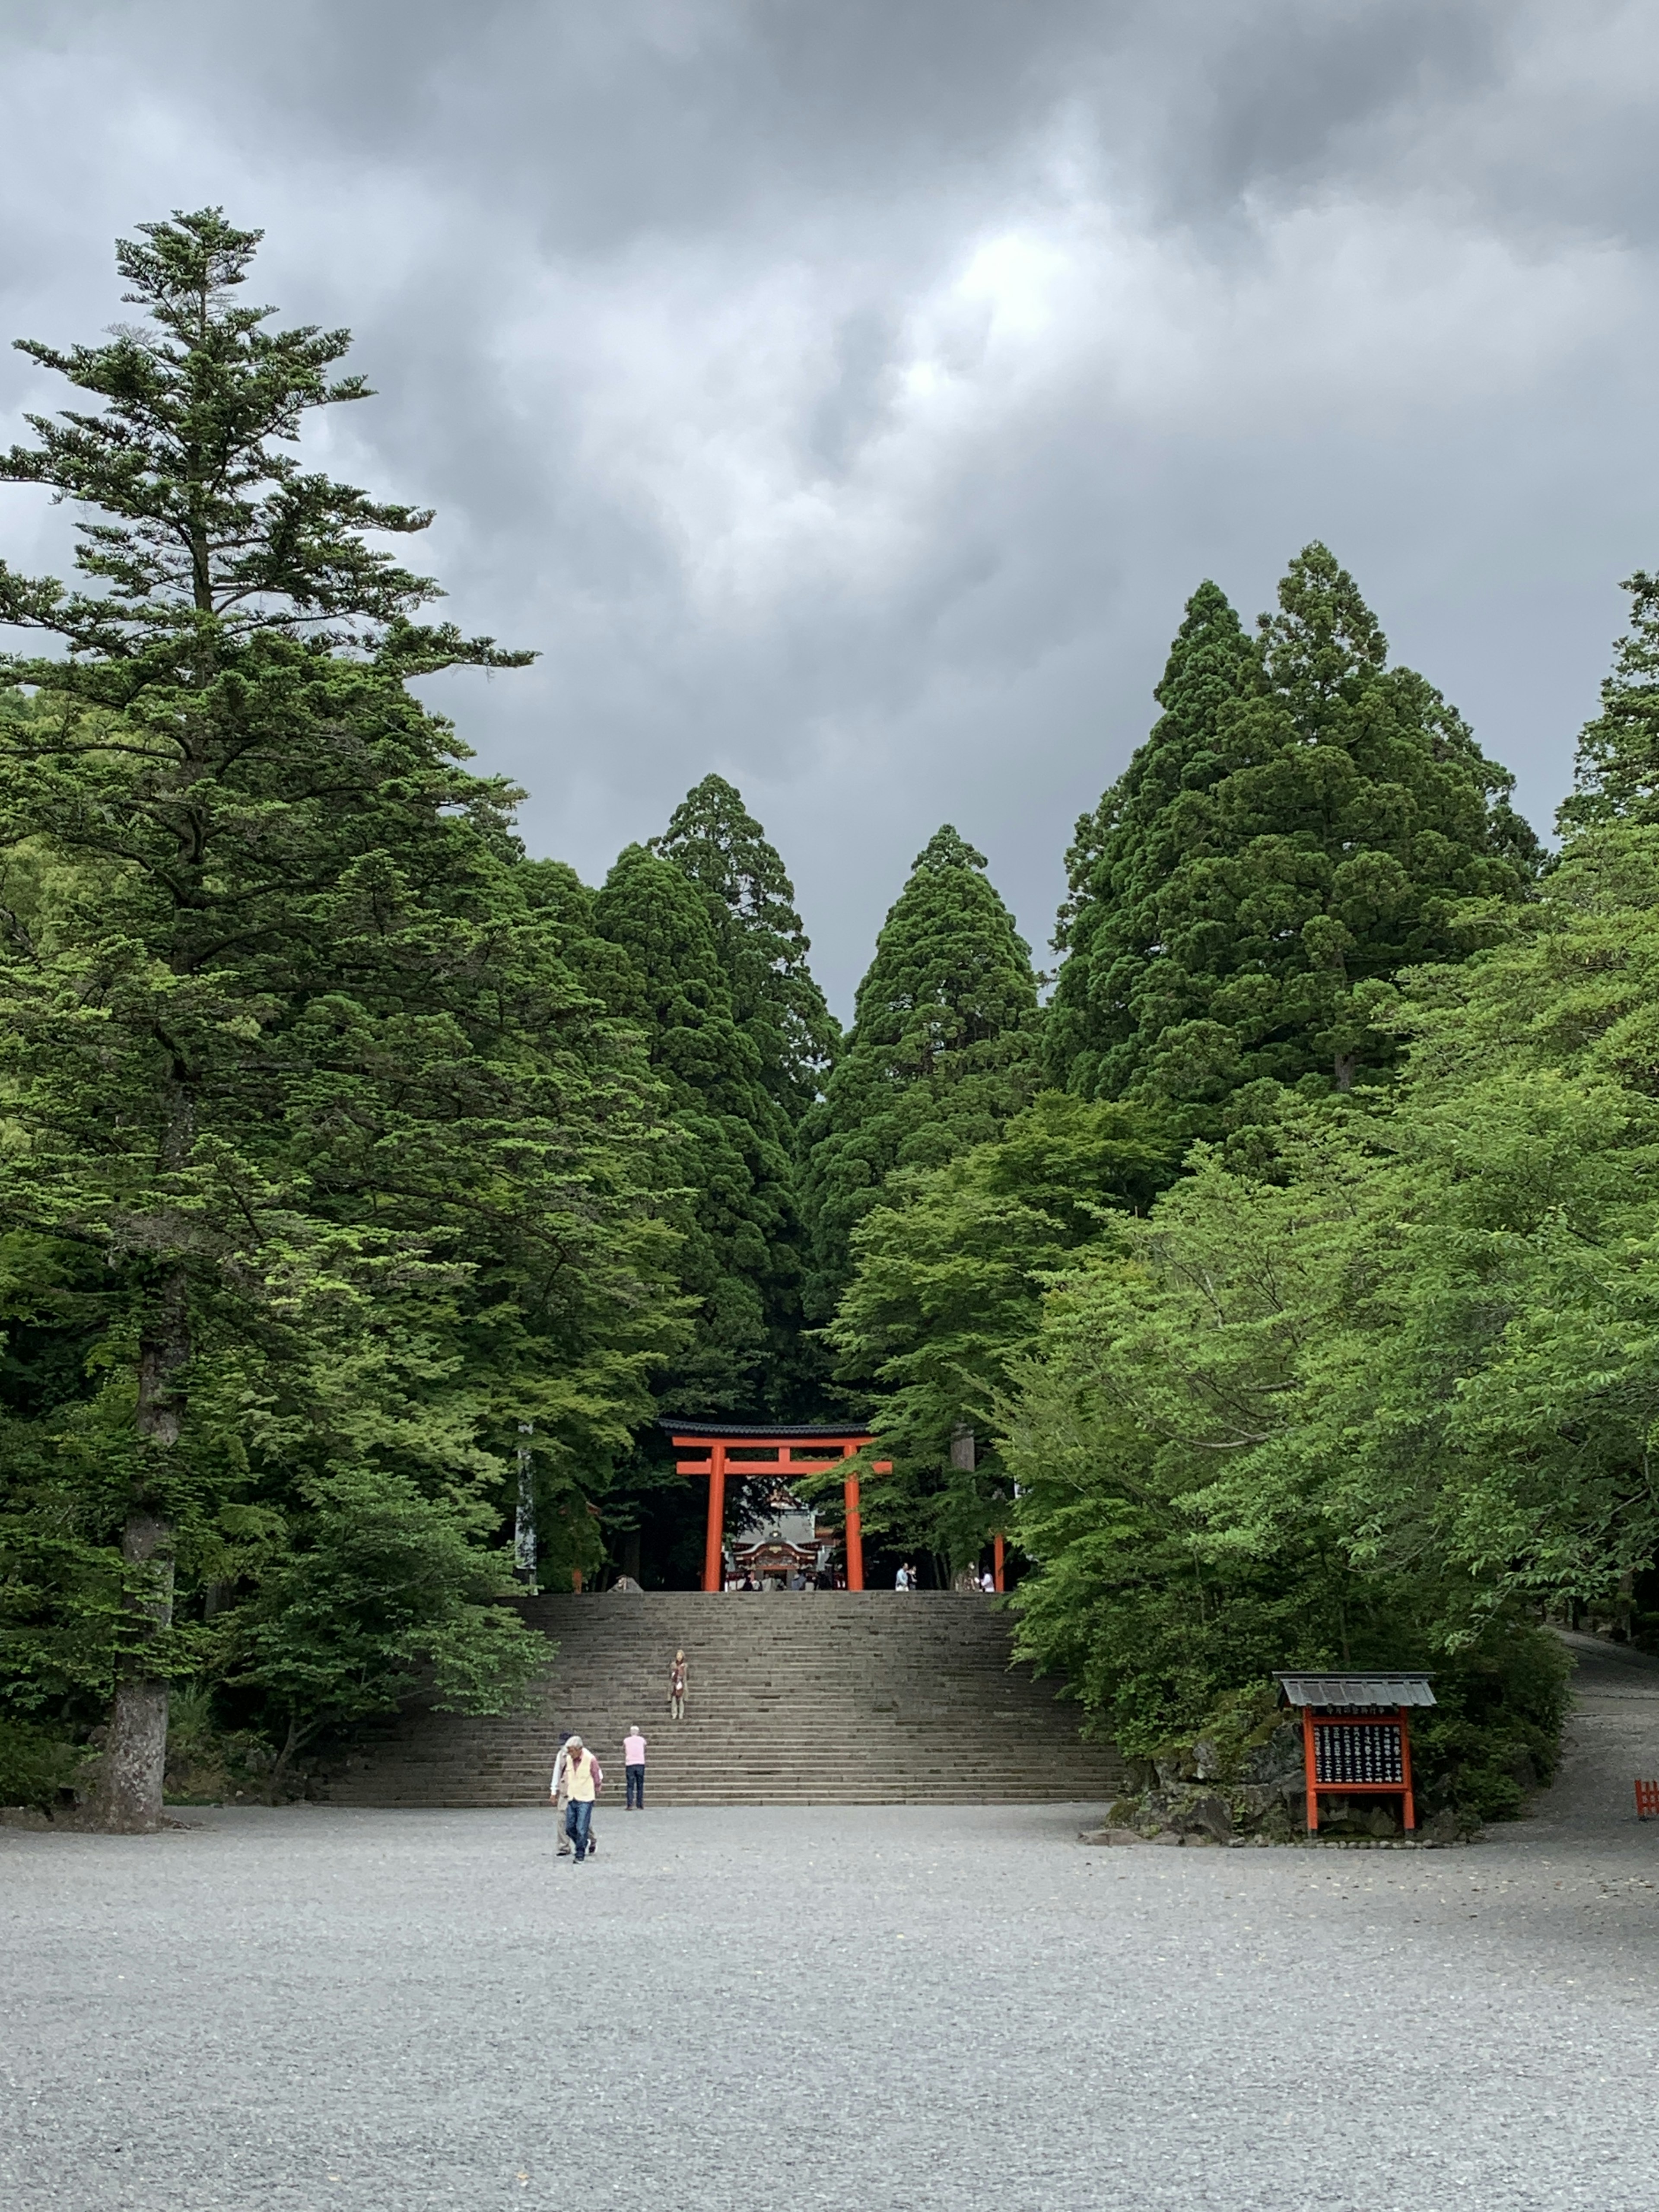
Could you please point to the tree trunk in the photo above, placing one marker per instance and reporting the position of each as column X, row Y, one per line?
column 523, row 1523
column 135, row 1753
column 1346, row 1064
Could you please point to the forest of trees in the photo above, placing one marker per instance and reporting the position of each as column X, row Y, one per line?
column 1279, row 1288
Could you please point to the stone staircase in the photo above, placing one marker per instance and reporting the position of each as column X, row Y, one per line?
column 873, row 1698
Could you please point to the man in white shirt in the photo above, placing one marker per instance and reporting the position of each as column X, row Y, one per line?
column 556, row 1792
column 633, row 1768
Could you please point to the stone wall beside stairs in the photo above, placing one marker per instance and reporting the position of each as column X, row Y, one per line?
column 869, row 1698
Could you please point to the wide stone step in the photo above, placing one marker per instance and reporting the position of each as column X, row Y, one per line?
column 873, row 1698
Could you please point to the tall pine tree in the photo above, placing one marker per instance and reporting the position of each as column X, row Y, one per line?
column 1616, row 776
column 1109, row 984
column 1304, row 822
column 737, row 1263
column 713, row 838
column 941, row 1052
column 302, row 1105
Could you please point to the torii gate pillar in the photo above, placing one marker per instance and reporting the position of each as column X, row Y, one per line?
column 713, row 1550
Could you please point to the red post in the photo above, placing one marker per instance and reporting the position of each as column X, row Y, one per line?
column 1406, row 1770
column 1310, row 1769
column 996, row 1561
column 713, row 1556
column 854, row 1528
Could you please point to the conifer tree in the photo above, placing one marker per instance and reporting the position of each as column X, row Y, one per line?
column 1304, row 822
column 737, row 1263
column 1129, row 848
column 713, row 838
column 288, row 1055
column 1617, row 773
column 940, row 1053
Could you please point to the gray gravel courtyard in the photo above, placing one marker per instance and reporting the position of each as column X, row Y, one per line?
column 901, row 2008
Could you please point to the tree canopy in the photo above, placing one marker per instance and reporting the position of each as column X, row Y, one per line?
column 1304, row 822
column 1387, row 1404
column 940, row 1052
column 947, row 1293
column 713, row 838
column 315, row 1148
column 738, row 1262
column 1617, row 771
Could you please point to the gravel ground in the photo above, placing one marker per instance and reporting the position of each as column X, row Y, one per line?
column 906, row 2008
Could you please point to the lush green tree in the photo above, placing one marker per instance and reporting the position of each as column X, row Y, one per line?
column 947, row 1290
column 284, row 1044
column 1126, row 850
column 1617, row 773
column 939, row 1057
column 713, row 839
column 738, row 1262
column 1304, row 822
column 1387, row 1404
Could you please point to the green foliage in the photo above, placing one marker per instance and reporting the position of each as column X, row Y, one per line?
column 738, row 1261
column 713, row 839
column 947, row 1288
column 1616, row 775
column 328, row 1169
column 36, row 1766
column 1494, row 1733
column 208, row 1763
column 939, row 1056
column 1386, row 1406
column 1303, row 823
column 383, row 1588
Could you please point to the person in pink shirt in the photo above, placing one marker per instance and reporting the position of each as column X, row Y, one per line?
column 633, row 1764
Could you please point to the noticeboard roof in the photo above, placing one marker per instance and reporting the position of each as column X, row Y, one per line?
column 1351, row 1692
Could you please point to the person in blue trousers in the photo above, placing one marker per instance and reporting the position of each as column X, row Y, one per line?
column 584, row 1778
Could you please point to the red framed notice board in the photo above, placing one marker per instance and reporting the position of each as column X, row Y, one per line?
column 1357, row 1736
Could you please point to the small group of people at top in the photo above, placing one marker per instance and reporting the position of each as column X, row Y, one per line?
column 905, row 1579
column 578, row 1777
column 798, row 1578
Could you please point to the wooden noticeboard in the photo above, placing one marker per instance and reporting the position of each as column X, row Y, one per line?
column 1353, row 1754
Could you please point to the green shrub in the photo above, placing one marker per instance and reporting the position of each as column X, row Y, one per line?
column 36, row 1764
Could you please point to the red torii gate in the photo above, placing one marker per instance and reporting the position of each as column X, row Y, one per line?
column 798, row 1449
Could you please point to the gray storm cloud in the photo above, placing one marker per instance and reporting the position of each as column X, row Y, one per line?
column 848, row 399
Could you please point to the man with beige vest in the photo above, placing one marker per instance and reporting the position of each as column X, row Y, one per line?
column 581, row 1777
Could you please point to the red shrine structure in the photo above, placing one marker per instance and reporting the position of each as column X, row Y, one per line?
column 723, row 1449
column 1357, row 1736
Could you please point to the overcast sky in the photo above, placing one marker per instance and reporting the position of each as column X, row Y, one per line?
column 846, row 397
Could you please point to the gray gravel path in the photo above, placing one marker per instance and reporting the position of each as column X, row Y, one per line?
column 909, row 2008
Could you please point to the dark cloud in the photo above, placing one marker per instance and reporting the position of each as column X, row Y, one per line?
column 848, row 397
